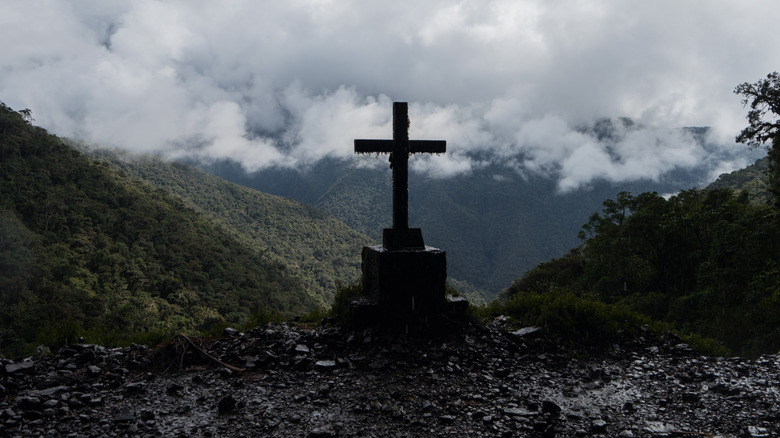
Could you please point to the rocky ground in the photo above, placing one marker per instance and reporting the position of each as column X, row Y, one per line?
column 463, row 379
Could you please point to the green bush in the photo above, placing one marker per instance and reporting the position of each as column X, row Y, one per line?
column 342, row 302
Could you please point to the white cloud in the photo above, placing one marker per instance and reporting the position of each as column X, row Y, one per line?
column 287, row 83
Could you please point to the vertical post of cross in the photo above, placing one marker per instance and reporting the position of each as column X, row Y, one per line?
column 400, row 236
column 400, row 162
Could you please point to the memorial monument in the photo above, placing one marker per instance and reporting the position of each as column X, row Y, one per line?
column 403, row 277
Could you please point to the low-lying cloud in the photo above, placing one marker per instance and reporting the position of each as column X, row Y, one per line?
column 519, row 84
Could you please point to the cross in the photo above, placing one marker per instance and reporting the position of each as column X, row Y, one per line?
column 399, row 148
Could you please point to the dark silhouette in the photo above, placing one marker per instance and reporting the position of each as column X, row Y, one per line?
column 399, row 148
column 403, row 280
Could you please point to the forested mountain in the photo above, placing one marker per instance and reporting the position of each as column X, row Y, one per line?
column 85, row 248
column 494, row 223
column 707, row 261
column 318, row 249
column 752, row 180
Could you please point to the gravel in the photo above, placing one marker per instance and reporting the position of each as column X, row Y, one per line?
column 456, row 379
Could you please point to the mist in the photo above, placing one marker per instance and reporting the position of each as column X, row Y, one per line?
column 521, row 84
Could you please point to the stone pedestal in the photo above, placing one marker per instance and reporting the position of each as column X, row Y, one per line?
column 407, row 285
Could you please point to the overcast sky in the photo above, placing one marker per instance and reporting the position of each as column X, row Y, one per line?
column 285, row 83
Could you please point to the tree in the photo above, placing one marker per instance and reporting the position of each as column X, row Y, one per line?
column 764, row 99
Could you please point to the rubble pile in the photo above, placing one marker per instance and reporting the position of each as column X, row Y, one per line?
column 464, row 379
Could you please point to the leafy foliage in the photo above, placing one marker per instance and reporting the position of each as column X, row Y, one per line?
column 579, row 322
column 84, row 249
column 319, row 250
column 763, row 97
column 752, row 179
column 706, row 261
column 764, row 124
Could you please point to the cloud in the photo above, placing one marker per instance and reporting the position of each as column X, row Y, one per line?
column 515, row 83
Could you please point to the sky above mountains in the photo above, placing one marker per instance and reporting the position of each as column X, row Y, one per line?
column 286, row 83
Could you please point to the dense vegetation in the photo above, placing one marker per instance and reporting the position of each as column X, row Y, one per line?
column 706, row 261
column 88, row 247
column 494, row 223
column 751, row 180
column 317, row 248
column 85, row 250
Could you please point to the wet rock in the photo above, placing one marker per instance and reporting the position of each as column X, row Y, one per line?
column 229, row 331
column 135, row 387
column 19, row 367
column 527, row 331
column 322, row 432
column 447, row 419
column 124, row 415
column 550, row 407
column 324, row 365
column 517, row 412
column 598, row 426
column 29, row 404
column 53, row 390
column 173, row 388
column 227, row 405
column 467, row 380
column 757, row 432
column 659, row 428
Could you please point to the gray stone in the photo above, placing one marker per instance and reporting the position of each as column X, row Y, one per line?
column 135, row 387
column 19, row 367
column 124, row 415
column 325, row 364
column 526, row 331
column 51, row 391
column 598, row 426
column 517, row 412
column 757, row 432
column 321, row 432
column 230, row 331
column 227, row 405
column 550, row 407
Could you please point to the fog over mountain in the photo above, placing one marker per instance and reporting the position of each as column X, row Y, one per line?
column 285, row 84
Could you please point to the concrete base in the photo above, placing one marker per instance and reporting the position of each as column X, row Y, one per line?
column 408, row 286
column 410, row 238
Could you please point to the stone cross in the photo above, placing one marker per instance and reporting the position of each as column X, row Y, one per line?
column 399, row 148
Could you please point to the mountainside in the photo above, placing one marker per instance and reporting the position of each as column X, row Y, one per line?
column 706, row 261
column 84, row 248
column 495, row 224
column 317, row 248
column 752, row 179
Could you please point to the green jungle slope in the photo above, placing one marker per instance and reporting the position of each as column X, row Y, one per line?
column 705, row 261
column 752, row 179
column 494, row 223
column 319, row 249
column 85, row 249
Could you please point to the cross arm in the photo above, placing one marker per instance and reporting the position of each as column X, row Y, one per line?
column 429, row 146
column 373, row 146
column 386, row 146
